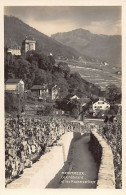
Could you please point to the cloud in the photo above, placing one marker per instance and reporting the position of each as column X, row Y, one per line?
column 53, row 27
column 104, row 27
column 117, row 27
column 62, row 25
column 52, row 19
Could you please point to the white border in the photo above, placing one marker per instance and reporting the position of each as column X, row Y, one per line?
column 61, row 3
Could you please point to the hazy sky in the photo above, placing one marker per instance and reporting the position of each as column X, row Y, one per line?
column 53, row 19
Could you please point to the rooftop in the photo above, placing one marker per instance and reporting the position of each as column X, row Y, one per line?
column 75, row 97
column 84, row 100
column 14, row 47
column 30, row 38
column 13, row 80
column 39, row 87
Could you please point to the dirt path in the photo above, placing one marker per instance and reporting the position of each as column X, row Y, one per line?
column 80, row 170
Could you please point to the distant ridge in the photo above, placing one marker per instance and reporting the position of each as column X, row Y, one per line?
column 104, row 47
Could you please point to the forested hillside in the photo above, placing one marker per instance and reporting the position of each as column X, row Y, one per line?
column 37, row 68
column 15, row 31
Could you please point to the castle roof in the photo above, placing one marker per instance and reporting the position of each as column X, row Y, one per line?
column 29, row 38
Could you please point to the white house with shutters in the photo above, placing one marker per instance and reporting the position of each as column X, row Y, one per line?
column 100, row 105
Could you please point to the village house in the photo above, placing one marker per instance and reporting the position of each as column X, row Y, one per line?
column 45, row 92
column 105, row 63
column 40, row 91
column 14, row 50
column 74, row 97
column 100, row 105
column 14, row 86
column 119, row 109
column 55, row 92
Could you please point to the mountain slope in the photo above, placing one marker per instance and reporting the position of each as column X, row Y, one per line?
column 15, row 32
column 103, row 47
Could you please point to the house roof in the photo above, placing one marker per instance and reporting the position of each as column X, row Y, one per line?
column 55, row 87
column 45, row 86
column 37, row 87
column 15, row 47
column 85, row 100
column 13, row 81
column 75, row 97
column 101, row 101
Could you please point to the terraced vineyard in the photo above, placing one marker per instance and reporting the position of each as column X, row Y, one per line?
column 101, row 77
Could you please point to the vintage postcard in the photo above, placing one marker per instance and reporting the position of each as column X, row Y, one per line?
column 63, row 79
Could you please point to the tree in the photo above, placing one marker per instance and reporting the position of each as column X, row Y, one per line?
column 113, row 93
column 75, row 113
column 49, row 77
column 46, row 110
column 64, row 68
column 51, row 62
column 40, row 77
column 63, row 104
column 46, row 62
column 74, row 106
column 113, row 110
column 32, row 56
column 76, row 84
column 63, row 92
column 11, row 102
column 58, row 79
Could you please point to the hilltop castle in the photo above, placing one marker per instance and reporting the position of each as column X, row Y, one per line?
column 27, row 45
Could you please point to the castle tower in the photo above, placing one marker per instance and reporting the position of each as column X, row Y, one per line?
column 28, row 44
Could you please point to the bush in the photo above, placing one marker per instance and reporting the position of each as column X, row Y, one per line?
column 47, row 110
column 11, row 102
column 75, row 113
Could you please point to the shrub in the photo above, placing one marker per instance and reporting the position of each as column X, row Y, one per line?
column 11, row 102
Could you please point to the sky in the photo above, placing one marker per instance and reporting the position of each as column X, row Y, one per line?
column 52, row 19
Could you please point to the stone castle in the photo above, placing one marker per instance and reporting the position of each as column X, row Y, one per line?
column 28, row 44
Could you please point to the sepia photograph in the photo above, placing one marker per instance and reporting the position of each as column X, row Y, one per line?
column 63, row 97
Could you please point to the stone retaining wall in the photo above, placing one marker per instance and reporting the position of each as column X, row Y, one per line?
column 45, row 169
column 65, row 141
column 103, row 155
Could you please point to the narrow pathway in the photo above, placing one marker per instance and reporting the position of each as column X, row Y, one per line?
column 80, row 170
